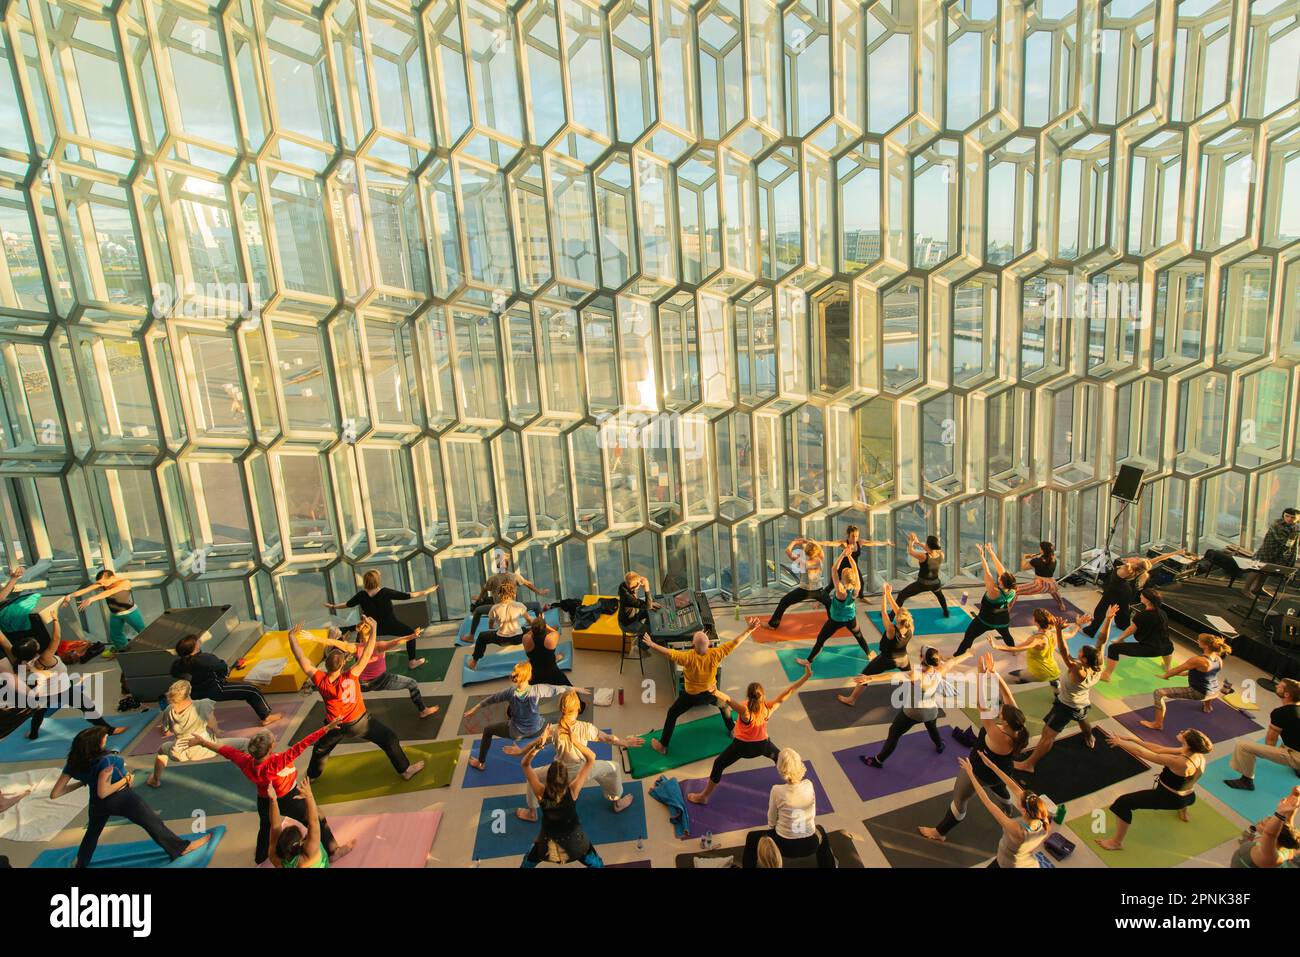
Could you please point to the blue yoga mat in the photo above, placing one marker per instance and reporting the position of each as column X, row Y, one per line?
column 1272, row 782
column 601, row 824
column 834, row 661
column 133, row 854
column 929, row 620
column 552, row 616
column 57, row 734
column 501, row 768
column 499, row 665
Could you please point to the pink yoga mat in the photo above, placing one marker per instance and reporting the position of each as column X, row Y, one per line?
column 385, row 840
column 236, row 720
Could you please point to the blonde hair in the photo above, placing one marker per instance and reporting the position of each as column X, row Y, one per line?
column 629, row 578
column 813, row 551
column 1214, row 644
column 769, row 855
column 904, row 625
column 790, row 766
column 370, row 579
column 522, row 673
column 179, row 691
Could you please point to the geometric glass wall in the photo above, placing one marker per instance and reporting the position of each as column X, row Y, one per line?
column 287, row 292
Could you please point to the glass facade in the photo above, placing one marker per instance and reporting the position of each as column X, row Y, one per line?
column 290, row 292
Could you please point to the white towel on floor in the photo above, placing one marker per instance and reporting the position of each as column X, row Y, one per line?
column 265, row 671
column 36, row 817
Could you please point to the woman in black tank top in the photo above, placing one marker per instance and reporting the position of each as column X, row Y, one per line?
column 1000, row 739
column 539, row 644
column 928, row 560
column 561, row 834
column 853, row 545
column 1174, row 790
column 1043, row 565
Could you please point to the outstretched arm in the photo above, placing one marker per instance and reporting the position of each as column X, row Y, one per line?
column 795, row 686
column 998, row 814
column 296, row 649
column 990, row 583
column 997, row 562
column 368, row 650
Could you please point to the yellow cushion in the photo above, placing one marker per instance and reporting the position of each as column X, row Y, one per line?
column 275, row 644
column 603, row 635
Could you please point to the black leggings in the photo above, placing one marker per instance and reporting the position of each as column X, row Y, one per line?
column 1138, row 649
column 900, row 726
column 39, row 715
column 1158, row 798
column 793, row 597
column 830, row 628
column 790, row 848
column 126, row 803
column 366, row 728
column 217, row 690
column 492, row 638
column 977, row 628
column 740, row 750
column 1121, row 623
column 500, row 729
column 918, row 587
column 684, row 703
column 291, row 805
column 883, row 662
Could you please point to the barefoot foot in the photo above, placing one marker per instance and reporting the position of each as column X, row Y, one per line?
column 658, row 746
column 622, row 804
column 413, row 770
column 697, row 798
column 1110, row 844
column 930, row 834
column 342, row 850
column 524, row 814
column 196, row 844
column 1153, row 725
column 431, row 710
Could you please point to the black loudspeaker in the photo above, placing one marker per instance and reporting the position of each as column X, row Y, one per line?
column 1128, row 483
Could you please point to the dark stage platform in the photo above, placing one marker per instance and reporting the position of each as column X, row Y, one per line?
column 1189, row 602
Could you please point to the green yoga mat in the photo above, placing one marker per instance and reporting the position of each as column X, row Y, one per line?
column 1035, row 703
column 369, row 774
column 1159, row 838
column 1133, row 676
column 437, row 661
column 692, row 741
column 835, row 661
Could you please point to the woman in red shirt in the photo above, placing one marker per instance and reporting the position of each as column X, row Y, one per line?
column 340, row 689
column 276, row 773
column 749, row 736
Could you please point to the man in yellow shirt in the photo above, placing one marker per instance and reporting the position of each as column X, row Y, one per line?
column 699, row 677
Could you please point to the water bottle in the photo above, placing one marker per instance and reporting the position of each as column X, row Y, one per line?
column 737, row 611
column 640, row 842
column 965, row 597
column 708, row 840
column 620, row 695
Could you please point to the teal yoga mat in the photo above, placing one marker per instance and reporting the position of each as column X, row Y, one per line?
column 133, row 854
column 492, row 667
column 835, row 661
column 929, row 620
column 57, row 734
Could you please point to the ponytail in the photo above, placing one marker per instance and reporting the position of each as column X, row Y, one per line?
column 1015, row 719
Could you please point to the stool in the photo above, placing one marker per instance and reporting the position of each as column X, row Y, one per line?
column 632, row 648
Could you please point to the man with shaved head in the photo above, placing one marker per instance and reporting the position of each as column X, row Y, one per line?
column 699, row 678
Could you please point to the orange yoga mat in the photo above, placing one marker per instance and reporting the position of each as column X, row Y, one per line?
column 795, row 626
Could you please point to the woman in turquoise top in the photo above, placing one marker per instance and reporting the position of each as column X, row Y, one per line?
column 995, row 604
column 843, row 609
column 290, row 847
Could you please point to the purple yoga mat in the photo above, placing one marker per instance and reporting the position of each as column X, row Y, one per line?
column 913, row 764
column 1022, row 612
column 1222, row 724
column 236, row 720
column 740, row 802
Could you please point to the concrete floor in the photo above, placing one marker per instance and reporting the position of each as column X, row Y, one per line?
column 454, row 844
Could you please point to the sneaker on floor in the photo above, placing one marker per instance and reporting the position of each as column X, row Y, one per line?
column 128, row 703
column 1243, row 783
column 109, row 653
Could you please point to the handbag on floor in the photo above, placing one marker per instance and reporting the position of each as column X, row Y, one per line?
column 1059, row 846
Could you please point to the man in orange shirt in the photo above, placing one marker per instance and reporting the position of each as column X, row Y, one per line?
column 699, row 678
column 340, row 689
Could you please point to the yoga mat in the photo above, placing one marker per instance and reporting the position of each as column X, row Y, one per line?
column 133, row 854
column 400, row 839
column 1132, row 677
column 1072, row 770
column 369, row 774
column 741, row 799
column 1022, row 612
column 846, row 854
column 1221, row 724
column 501, row 768
column 827, row 713
column 274, row 645
column 1237, row 701
column 1272, row 782
column 970, row 843
column 835, row 661
column 494, row 713
column 499, row 665
column 1159, row 838
column 58, row 731
column 394, row 710
column 505, row 835
column 929, row 620
column 914, row 763
column 795, row 626
column 234, row 718
column 692, row 741
column 1034, row 702
column 631, row 864
column 552, row 616
column 213, row 787
column 437, row 661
